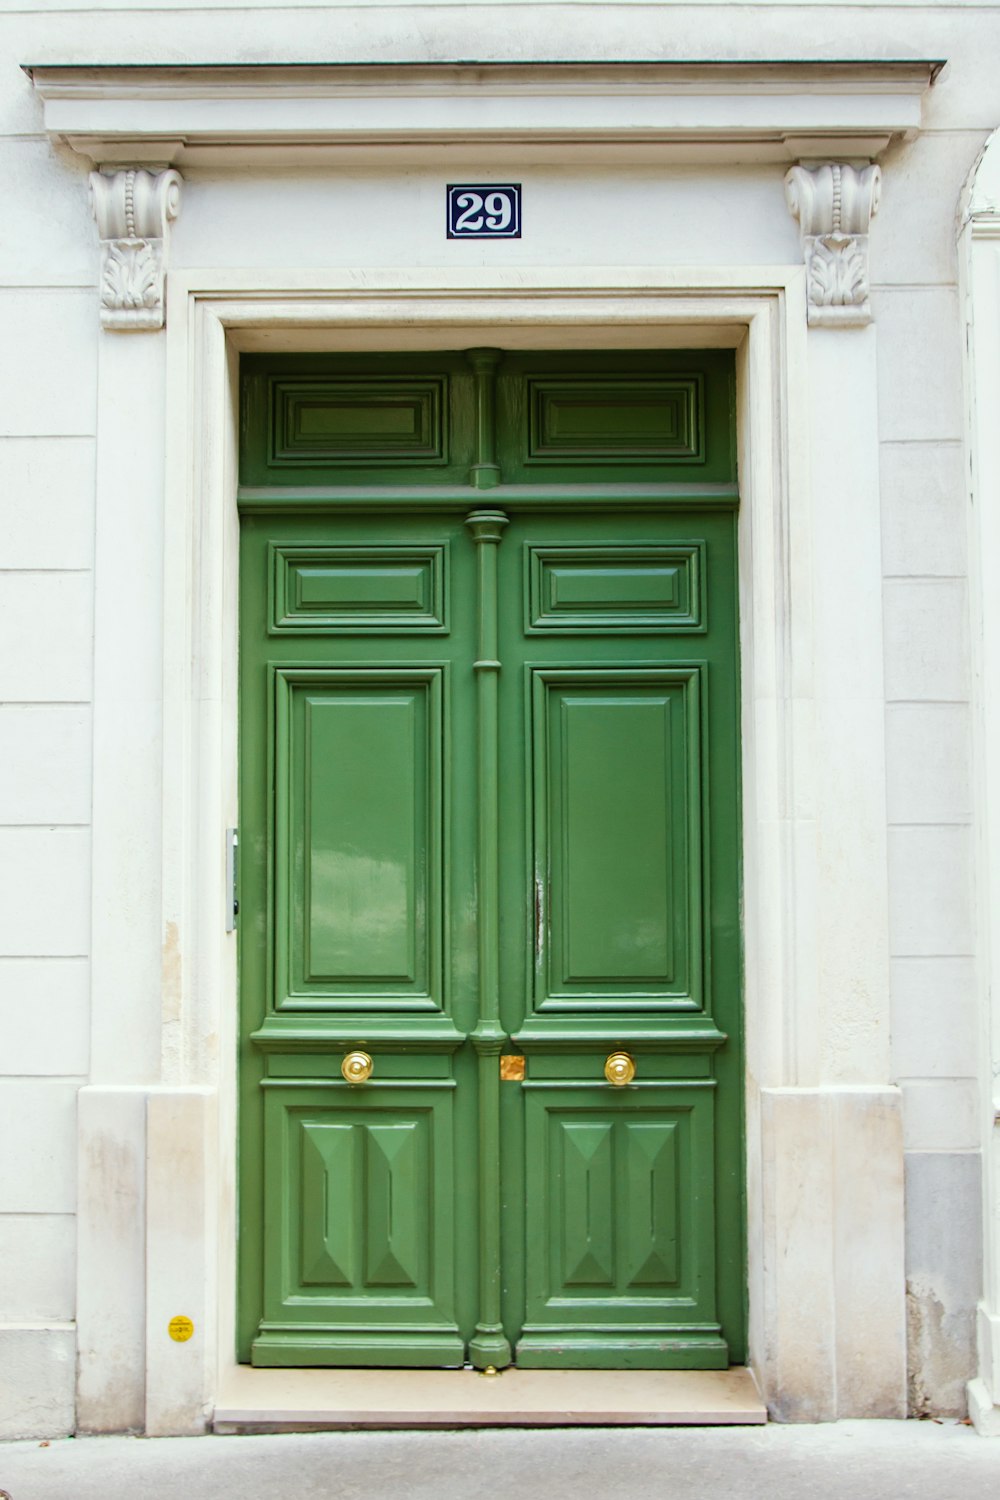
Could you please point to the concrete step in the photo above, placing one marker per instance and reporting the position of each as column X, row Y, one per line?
column 316, row 1400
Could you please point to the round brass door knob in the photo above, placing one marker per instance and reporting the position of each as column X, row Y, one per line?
column 619, row 1068
column 357, row 1067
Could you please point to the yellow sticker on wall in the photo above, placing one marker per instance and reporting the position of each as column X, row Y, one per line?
column 180, row 1329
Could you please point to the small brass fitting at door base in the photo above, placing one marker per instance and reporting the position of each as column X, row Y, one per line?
column 490, row 1370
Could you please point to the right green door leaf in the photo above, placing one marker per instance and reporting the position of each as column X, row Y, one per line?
column 619, row 715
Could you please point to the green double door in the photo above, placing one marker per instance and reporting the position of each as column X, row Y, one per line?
column 489, row 891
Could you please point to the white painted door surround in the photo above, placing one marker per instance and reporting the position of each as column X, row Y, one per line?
column 979, row 261
column 824, row 1141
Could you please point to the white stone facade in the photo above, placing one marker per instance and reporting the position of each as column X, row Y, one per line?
column 303, row 210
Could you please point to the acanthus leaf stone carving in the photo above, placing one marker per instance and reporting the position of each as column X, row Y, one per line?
column 134, row 209
column 834, row 205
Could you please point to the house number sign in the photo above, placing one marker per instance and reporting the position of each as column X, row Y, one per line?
column 484, row 211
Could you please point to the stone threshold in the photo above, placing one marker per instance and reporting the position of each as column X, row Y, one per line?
column 320, row 1400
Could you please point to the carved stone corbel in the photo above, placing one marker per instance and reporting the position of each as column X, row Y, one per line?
column 834, row 205
column 134, row 209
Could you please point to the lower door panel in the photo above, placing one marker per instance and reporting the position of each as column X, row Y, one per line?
column 620, row 1230
column 359, row 1230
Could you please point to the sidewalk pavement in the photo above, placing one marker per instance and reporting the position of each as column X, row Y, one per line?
column 859, row 1460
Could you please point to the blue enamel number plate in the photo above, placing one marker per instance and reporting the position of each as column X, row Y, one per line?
column 484, row 211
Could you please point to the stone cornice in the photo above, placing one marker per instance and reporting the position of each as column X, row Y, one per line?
column 778, row 111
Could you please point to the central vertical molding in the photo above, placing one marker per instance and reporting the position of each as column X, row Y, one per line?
column 489, row 1344
column 485, row 471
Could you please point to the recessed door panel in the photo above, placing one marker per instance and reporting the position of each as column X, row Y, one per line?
column 617, row 837
column 318, row 590
column 359, row 831
column 373, row 418
column 615, row 589
column 358, row 1230
column 616, row 419
column 620, row 1227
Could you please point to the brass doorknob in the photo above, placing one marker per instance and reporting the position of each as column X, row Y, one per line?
column 619, row 1068
column 357, row 1067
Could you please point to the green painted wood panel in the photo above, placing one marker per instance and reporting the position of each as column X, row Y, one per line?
column 358, row 818
column 614, row 589
column 620, row 1263
column 612, row 897
column 375, row 418
column 397, row 1203
column 358, row 590
column 489, row 802
column 616, row 418
column 326, row 1206
column 582, row 1236
column 360, row 420
column 361, row 1272
column 365, row 853
column 617, row 860
column 639, row 417
column 652, row 1220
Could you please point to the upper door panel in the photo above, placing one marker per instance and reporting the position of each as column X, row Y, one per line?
column 487, row 418
column 628, row 418
column 309, row 421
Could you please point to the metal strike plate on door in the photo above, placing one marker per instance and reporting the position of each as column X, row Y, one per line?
column 511, row 1067
column 232, row 876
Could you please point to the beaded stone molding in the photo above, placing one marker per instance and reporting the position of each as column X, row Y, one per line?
column 834, row 205
column 134, row 209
